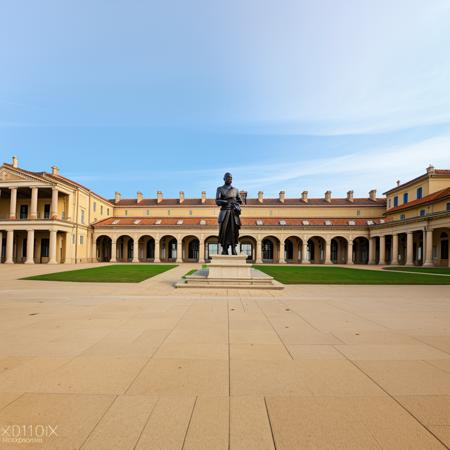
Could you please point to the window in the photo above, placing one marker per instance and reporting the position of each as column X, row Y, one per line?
column 448, row 206
column 422, row 212
column 82, row 216
column 101, row 209
column 148, row 212
column 24, row 248
column 390, row 203
column 46, row 212
column 402, row 217
column 358, row 212
column 395, row 201
column 419, row 192
column 73, row 239
column 405, row 197
column 94, row 206
column 45, row 245
column 81, row 239
column 126, row 212
column 24, row 211
column 107, row 211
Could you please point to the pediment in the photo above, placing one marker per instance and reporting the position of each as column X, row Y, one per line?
column 7, row 175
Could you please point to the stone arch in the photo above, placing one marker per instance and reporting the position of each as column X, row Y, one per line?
column 361, row 250
column 103, row 245
column 125, row 248
column 146, row 248
column 339, row 250
column 168, row 245
column 293, row 249
column 190, row 248
column 247, row 245
column 212, row 247
column 316, row 249
column 270, row 249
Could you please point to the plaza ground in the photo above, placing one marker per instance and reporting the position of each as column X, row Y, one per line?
column 142, row 365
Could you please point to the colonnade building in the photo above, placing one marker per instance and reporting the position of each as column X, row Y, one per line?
column 48, row 218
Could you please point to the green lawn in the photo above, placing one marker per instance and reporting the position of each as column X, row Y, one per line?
column 439, row 270
column 343, row 275
column 115, row 273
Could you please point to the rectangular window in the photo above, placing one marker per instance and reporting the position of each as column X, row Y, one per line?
column 101, row 209
column 82, row 216
column 73, row 239
column 24, row 248
column 419, row 192
column 422, row 212
column 126, row 212
column 448, row 206
column 402, row 217
column 395, row 201
column 81, row 239
column 390, row 203
column 24, row 212
column 95, row 206
column 107, row 211
column 405, row 197
column 47, row 211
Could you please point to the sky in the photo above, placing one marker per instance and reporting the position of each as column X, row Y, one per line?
column 291, row 95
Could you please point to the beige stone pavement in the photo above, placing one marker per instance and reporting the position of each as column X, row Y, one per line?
column 149, row 367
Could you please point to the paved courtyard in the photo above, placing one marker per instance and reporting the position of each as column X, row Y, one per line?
column 105, row 366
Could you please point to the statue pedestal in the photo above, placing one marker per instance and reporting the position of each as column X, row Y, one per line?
column 228, row 272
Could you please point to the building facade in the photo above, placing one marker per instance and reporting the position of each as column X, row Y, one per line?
column 47, row 218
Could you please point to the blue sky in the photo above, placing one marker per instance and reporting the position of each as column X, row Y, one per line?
column 287, row 94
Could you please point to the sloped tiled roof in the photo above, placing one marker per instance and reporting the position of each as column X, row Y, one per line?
column 430, row 198
column 246, row 221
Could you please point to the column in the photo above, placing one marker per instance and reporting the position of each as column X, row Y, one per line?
column 34, row 202
column 13, row 204
column 372, row 252
column 135, row 250
column 157, row 251
column 304, row 250
column 52, row 249
column 394, row 257
column 113, row 250
column 328, row 251
column 428, row 241
column 350, row 251
column 382, row 250
column 69, row 207
column 281, row 258
column 409, row 249
column 179, row 250
column 54, row 206
column 30, row 247
column 9, row 246
column 259, row 251
column 201, row 250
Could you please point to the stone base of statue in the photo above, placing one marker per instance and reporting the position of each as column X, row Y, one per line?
column 229, row 272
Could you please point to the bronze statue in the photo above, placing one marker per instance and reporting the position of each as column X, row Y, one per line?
column 229, row 200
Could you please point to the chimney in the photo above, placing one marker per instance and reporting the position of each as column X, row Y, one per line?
column 181, row 196
column 139, row 197
column 117, row 197
column 282, row 196
column 15, row 163
column 203, row 196
column 350, row 196
column 430, row 169
column 159, row 197
column 328, row 196
column 373, row 195
column 55, row 171
column 398, row 182
column 305, row 196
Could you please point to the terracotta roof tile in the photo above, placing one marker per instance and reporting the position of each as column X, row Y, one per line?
column 430, row 198
column 246, row 221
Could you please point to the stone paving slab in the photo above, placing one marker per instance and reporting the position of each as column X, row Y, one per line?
column 145, row 366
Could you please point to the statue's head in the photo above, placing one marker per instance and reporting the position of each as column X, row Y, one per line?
column 228, row 178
